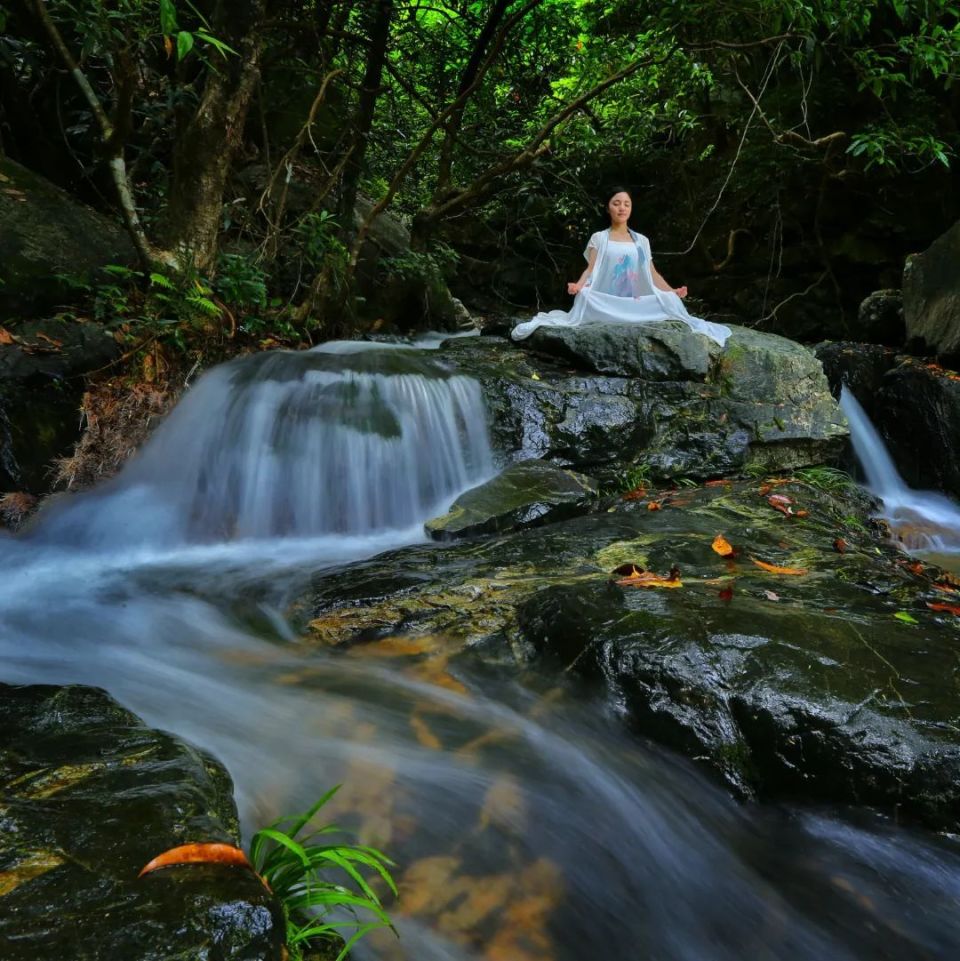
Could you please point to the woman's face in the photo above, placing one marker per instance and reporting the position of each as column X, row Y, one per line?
column 619, row 207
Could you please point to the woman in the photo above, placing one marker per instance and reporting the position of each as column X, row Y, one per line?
column 620, row 283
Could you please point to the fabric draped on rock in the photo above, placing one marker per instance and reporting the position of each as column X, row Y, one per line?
column 621, row 290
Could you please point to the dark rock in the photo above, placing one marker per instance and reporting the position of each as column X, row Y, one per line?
column 54, row 349
column 786, row 686
column 49, row 242
column 931, row 296
column 526, row 494
column 858, row 366
column 40, row 392
column 90, row 796
column 654, row 352
column 669, row 399
column 880, row 319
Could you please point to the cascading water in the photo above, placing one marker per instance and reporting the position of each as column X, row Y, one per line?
column 535, row 827
column 924, row 520
column 296, row 445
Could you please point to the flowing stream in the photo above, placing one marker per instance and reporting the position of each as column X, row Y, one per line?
column 928, row 523
column 526, row 823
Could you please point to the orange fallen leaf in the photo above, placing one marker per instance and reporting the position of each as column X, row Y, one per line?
column 641, row 578
column 722, row 546
column 916, row 567
column 776, row 569
column 654, row 506
column 947, row 608
column 638, row 493
column 726, row 593
column 946, row 588
column 6, row 337
column 801, row 513
column 840, row 545
column 719, row 482
column 199, row 854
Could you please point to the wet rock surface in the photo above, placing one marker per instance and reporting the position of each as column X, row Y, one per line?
column 90, row 795
column 826, row 675
column 526, row 494
column 602, row 398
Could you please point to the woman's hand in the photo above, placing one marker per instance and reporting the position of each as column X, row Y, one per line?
column 680, row 291
column 574, row 287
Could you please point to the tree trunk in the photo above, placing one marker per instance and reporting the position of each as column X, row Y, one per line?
column 205, row 147
column 369, row 92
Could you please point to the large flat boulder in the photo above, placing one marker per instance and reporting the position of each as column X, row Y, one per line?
column 90, row 795
column 931, row 296
column 601, row 398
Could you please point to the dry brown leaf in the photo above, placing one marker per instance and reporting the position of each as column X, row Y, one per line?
column 776, row 569
column 654, row 506
column 722, row 546
column 944, row 608
column 637, row 494
column 6, row 337
column 199, row 854
column 641, row 578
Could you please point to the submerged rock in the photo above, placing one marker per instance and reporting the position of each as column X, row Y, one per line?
column 815, row 662
column 90, row 795
column 601, row 398
column 526, row 494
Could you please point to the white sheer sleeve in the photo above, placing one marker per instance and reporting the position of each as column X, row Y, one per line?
column 592, row 244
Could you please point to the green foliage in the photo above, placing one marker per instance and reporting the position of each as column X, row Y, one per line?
column 321, row 886
column 440, row 261
column 640, row 475
column 241, row 281
column 828, row 479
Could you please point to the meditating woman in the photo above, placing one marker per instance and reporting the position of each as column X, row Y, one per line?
column 620, row 283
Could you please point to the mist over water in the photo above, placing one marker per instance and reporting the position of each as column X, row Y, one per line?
column 526, row 823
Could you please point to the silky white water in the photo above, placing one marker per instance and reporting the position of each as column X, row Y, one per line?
column 926, row 521
column 170, row 586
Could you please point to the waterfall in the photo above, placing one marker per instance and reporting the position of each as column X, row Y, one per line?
column 350, row 439
column 923, row 520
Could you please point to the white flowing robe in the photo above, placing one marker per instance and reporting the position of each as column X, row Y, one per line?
column 597, row 304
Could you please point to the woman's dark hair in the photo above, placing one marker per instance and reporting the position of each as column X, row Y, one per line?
column 612, row 191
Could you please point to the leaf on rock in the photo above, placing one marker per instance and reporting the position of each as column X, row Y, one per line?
column 654, row 505
column 953, row 609
column 199, row 854
column 726, row 593
column 6, row 337
column 905, row 617
column 638, row 577
column 722, row 546
column 637, row 494
column 776, row 569
column 840, row 545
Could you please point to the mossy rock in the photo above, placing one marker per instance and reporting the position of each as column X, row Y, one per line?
column 90, row 795
column 825, row 675
column 526, row 494
column 762, row 403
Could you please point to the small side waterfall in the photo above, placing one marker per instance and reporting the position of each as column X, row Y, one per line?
column 353, row 439
column 924, row 520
